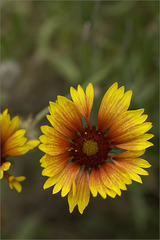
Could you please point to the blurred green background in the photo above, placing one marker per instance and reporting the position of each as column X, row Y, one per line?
column 48, row 46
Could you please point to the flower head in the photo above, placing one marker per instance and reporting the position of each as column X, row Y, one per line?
column 79, row 157
column 13, row 142
column 4, row 167
column 14, row 182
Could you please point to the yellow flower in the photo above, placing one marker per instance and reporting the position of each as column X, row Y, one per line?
column 13, row 142
column 4, row 167
column 79, row 157
column 14, row 182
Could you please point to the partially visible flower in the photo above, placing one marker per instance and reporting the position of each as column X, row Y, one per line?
column 13, row 140
column 79, row 157
column 4, row 167
column 14, row 182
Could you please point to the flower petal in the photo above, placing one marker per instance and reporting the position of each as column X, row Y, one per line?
column 1, row 174
column 114, row 178
column 5, row 166
column 17, row 186
column 132, row 172
column 53, row 140
column 50, row 181
column 13, row 140
column 114, row 172
column 129, row 126
column 17, row 151
column 83, row 102
column 53, row 144
column 48, row 160
column 17, row 139
column 132, row 165
column 82, row 193
column 89, row 98
column 8, row 127
column 129, row 155
column 72, row 198
column 67, row 113
column 59, row 127
column 109, row 192
column 108, row 181
column 95, row 183
column 66, row 179
column 134, row 145
column 113, row 103
column 14, row 182
column 20, row 178
column 54, row 150
column 14, row 125
column 5, row 123
column 132, row 133
column 54, row 164
column 125, row 121
column 32, row 144
column 52, row 133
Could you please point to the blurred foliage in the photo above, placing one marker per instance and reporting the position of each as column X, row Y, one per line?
column 61, row 43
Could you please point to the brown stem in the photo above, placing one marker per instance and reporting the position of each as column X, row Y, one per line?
column 6, row 175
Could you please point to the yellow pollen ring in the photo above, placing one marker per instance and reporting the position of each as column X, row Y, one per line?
column 90, row 147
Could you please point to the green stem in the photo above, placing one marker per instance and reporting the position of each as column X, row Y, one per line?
column 41, row 115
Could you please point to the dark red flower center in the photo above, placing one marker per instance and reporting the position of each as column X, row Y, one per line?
column 90, row 148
